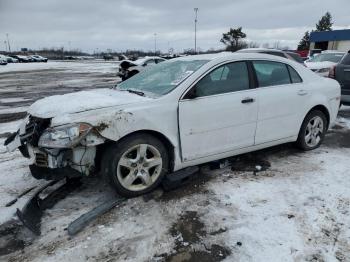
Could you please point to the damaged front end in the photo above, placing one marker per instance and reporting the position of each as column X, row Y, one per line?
column 56, row 152
column 124, row 69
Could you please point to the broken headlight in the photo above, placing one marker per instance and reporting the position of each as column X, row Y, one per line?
column 65, row 136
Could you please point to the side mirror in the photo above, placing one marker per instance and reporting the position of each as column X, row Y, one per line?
column 192, row 94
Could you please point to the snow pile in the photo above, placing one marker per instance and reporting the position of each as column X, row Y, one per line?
column 83, row 66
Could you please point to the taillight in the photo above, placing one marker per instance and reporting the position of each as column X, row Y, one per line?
column 331, row 73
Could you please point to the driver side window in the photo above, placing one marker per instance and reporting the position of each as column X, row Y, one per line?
column 224, row 79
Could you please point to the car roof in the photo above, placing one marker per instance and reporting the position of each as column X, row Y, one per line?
column 151, row 57
column 231, row 56
column 246, row 50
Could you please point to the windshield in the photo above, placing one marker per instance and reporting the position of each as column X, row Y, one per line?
column 161, row 78
column 331, row 57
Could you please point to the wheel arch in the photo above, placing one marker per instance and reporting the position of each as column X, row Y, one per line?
column 165, row 140
column 324, row 110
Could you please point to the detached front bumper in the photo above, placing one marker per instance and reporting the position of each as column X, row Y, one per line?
column 53, row 174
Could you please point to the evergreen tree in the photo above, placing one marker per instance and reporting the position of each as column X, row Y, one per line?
column 304, row 43
column 325, row 23
column 233, row 39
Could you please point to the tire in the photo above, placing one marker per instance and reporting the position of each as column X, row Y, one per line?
column 128, row 166
column 312, row 131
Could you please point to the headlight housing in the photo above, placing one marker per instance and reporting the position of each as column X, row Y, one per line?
column 65, row 136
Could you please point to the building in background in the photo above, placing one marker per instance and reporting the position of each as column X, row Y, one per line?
column 331, row 40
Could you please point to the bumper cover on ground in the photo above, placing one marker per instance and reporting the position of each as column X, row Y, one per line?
column 53, row 173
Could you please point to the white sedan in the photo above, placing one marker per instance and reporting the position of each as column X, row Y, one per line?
column 179, row 113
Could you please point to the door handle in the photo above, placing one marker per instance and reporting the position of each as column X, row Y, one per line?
column 346, row 70
column 302, row 92
column 247, row 100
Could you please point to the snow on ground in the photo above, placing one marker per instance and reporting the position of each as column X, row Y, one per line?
column 295, row 209
column 92, row 66
column 9, row 127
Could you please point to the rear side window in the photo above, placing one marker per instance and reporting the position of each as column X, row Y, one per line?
column 271, row 73
column 294, row 76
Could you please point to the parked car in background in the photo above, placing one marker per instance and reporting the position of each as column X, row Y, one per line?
column 128, row 68
column 341, row 73
column 3, row 61
column 274, row 52
column 22, row 58
column 323, row 62
column 303, row 54
column 314, row 52
column 8, row 59
column 179, row 113
column 38, row 58
column 108, row 57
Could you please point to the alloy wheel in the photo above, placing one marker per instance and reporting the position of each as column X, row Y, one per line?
column 314, row 131
column 139, row 167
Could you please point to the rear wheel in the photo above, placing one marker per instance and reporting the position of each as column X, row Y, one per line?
column 312, row 130
column 136, row 165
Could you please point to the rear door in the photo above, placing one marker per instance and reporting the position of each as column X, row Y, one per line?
column 282, row 101
column 222, row 114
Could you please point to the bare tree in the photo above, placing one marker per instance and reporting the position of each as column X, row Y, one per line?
column 253, row 45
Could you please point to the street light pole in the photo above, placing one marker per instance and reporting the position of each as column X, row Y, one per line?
column 8, row 42
column 195, row 30
column 155, row 43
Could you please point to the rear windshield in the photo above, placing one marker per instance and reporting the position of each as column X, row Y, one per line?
column 296, row 57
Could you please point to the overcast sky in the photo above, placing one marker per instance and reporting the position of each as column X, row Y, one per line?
column 131, row 24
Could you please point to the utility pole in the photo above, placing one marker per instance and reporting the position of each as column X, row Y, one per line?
column 8, row 42
column 155, row 43
column 6, row 47
column 195, row 30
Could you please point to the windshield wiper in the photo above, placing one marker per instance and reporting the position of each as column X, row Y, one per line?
column 140, row 93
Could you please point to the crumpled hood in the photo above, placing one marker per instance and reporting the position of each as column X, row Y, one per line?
column 319, row 65
column 59, row 105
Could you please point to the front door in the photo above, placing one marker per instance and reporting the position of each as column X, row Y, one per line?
column 220, row 114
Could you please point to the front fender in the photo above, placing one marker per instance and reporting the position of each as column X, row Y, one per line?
column 115, row 123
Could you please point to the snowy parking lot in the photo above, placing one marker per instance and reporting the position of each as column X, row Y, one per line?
column 278, row 204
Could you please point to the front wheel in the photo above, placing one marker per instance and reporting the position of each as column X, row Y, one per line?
column 312, row 131
column 136, row 165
